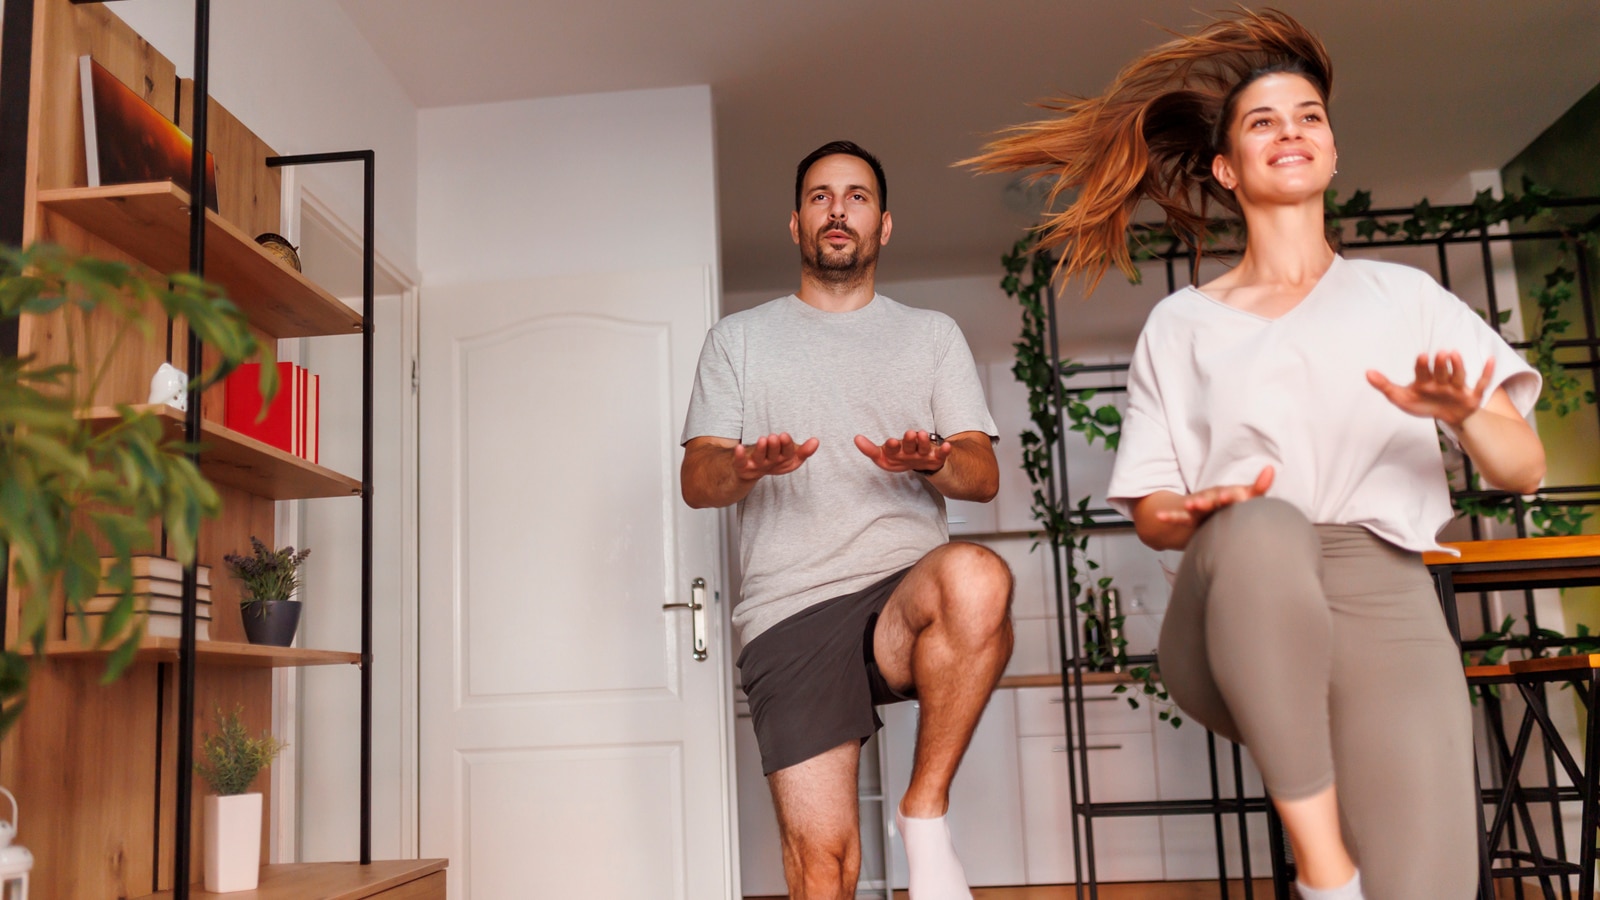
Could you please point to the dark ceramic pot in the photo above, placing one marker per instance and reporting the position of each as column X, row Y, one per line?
column 271, row 622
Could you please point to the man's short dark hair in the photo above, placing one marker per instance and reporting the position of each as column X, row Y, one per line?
column 848, row 148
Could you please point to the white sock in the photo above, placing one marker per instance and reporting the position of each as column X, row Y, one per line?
column 936, row 874
column 1350, row 890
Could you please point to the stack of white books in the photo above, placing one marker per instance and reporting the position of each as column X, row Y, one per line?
column 157, row 599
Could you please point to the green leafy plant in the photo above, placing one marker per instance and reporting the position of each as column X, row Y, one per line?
column 1027, row 280
column 230, row 759
column 73, row 491
column 267, row 574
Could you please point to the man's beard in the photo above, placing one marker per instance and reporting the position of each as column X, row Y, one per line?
column 843, row 267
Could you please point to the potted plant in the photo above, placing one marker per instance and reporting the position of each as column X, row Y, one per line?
column 270, row 579
column 230, row 759
column 54, row 463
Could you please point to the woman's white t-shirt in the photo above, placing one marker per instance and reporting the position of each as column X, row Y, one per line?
column 1215, row 393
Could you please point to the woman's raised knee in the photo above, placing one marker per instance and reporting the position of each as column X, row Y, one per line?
column 1265, row 525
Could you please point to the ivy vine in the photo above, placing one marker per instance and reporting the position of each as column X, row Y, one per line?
column 1027, row 280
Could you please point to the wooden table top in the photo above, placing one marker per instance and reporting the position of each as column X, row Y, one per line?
column 1580, row 546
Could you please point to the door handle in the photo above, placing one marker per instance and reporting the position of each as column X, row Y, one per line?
column 697, row 607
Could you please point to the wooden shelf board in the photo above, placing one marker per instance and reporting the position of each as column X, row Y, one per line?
column 215, row 653
column 1054, row 680
column 327, row 881
column 151, row 223
column 243, row 462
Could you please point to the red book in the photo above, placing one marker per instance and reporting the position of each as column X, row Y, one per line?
column 313, row 406
column 300, row 382
column 243, row 406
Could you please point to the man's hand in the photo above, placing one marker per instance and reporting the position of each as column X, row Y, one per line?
column 774, row 454
column 961, row 467
column 916, row 452
column 721, row 471
column 1440, row 391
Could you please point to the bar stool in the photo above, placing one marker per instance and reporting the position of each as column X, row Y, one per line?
column 1516, row 565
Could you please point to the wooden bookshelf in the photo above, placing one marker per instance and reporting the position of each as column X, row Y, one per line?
column 234, row 459
column 410, row 879
column 150, row 222
column 99, row 762
column 212, row 653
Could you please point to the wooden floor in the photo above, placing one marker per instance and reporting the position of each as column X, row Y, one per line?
column 1162, row 890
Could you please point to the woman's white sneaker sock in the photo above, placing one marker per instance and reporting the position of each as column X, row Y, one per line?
column 936, row 873
column 1350, row 890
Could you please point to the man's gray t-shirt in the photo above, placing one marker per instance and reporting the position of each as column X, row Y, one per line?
column 838, row 523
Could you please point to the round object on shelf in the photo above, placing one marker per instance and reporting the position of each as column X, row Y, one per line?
column 280, row 245
column 271, row 622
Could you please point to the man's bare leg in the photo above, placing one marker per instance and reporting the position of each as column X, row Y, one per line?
column 819, row 824
column 946, row 631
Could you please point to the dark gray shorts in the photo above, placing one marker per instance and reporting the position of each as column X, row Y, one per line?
column 812, row 681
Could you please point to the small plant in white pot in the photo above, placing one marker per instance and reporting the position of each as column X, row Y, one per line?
column 230, row 759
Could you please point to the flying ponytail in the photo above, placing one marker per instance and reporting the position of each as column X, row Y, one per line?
column 1152, row 136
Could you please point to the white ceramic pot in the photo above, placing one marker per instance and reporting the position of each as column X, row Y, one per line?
column 232, row 842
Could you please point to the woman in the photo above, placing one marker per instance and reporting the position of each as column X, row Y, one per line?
column 1281, row 432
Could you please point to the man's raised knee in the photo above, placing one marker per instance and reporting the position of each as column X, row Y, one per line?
column 976, row 583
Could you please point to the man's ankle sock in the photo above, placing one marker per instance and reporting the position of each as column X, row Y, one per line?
column 1350, row 890
column 936, row 873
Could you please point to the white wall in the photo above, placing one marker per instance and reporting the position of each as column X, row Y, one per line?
column 593, row 183
column 299, row 74
column 1107, row 321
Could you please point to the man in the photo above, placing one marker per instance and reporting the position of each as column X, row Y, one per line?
column 852, row 594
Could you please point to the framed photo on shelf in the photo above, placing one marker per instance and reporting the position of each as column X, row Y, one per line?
column 128, row 141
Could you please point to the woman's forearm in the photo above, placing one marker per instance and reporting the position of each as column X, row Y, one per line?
column 1505, row 450
column 1158, row 533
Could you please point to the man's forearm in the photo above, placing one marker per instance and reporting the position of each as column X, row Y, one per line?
column 970, row 472
column 709, row 480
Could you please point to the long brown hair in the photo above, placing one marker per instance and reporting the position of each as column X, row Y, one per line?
column 1152, row 135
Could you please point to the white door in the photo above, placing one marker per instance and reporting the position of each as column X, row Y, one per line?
column 572, row 744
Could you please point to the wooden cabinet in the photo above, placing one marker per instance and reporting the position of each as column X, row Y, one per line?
column 985, row 799
column 1184, row 773
column 1122, row 767
column 95, row 765
column 760, row 851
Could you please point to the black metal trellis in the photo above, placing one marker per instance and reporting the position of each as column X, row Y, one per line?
column 1074, row 665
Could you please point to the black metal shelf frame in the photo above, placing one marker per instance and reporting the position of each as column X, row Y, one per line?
column 16, row 53
column 1074, row 665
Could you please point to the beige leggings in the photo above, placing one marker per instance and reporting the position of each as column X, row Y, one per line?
column 1322, row 649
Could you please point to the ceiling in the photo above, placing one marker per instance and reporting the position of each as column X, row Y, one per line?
column 1425, row 90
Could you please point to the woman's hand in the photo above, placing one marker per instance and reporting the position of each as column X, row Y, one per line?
column 1166, row 521
column 1493, row 433
column 1199, row 506
column 1440, row 391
